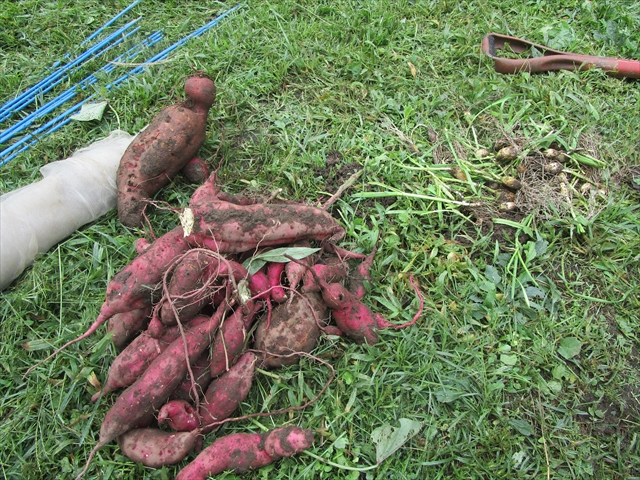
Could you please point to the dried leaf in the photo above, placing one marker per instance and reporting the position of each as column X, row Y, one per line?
column 414, row 72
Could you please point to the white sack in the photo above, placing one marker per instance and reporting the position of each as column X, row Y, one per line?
column 74, row 192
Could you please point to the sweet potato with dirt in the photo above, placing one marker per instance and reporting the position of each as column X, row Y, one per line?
column 156, row 448
column 293, row 329
column 154, row 386
column 229, row 228
column 132, row 287
column 355, row 318
column 185, row 287
column 242, row 452
column 161, row 150
column 126, row 325
column 179, row 415
column 295, row 271
column 196, row 170
column 134, row 360
column 202, row 377
column 333, row 270
column 230, row 339
column 226, row 392
column 274, row 275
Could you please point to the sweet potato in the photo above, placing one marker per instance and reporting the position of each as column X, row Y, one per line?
column 294, row 271
column 162, row 149
column 241, row 452
column 131, row 288
column 361, row 275
column 274, row 275
column 126, row 325
column 134, row 360
column 179, row 416
column 229, row 341
column 293, row 329
column 229, row 228
column 196, row 170
column 154, row 386
column 202, row 377
column 356, row 319
column 156, row 448
column 334, row 270
column 185, row 287
column 226, row 392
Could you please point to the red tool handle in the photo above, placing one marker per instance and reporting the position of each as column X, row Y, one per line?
column 552, row 59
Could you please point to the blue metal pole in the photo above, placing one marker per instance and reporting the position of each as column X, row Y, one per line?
column 31, row 93
column 110, row 22
column 64, row 118
column 71, row 92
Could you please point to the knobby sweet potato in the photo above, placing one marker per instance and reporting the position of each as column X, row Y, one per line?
column 293, row 329
column 162, row 149
column 229, row 228
column 179, row 415
column 241, row 452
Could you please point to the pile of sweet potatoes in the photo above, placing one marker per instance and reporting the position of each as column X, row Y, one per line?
column 193, row 317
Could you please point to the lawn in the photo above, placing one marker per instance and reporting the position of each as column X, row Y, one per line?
column 525, row 362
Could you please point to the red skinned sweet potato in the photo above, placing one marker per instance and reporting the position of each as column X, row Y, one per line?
column 200, row 370
column 156, row 448
column 361, row 274
column 131, row 288
column 274, row 275
column 185, row 287
column 196, row 170
column 334, row 270
column 230, row 339
column 154, row 386
column 226, row 392
column 241, row 452
column 126, row 325
column 356, row 319
column 295, row 271
column 162, row 149
column 293, row 329
column 179, row 416
column 134, row 360
column 229, row 228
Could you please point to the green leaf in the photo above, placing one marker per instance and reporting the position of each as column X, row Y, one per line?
column 388, row 439
column 510, row 360
column 522, row 426
column 492, row 274
column 569, row 347
column 90, row 111
column 255, row 263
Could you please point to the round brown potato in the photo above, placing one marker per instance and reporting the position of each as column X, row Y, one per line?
column 292, row 329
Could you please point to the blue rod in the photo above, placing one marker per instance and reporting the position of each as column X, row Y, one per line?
column 32, row 92
column 110, row 22
column 71, row 92
column 23, row 103
column 32, row 138
column 65, row 117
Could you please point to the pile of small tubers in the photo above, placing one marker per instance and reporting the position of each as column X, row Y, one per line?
column 181, row 313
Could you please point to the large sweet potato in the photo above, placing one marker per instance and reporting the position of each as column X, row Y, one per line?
column 241, row 452
column 160, row 151
column 293, row 329
column 229, row 228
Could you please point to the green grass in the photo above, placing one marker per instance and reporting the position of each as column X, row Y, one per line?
column 525, row 363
